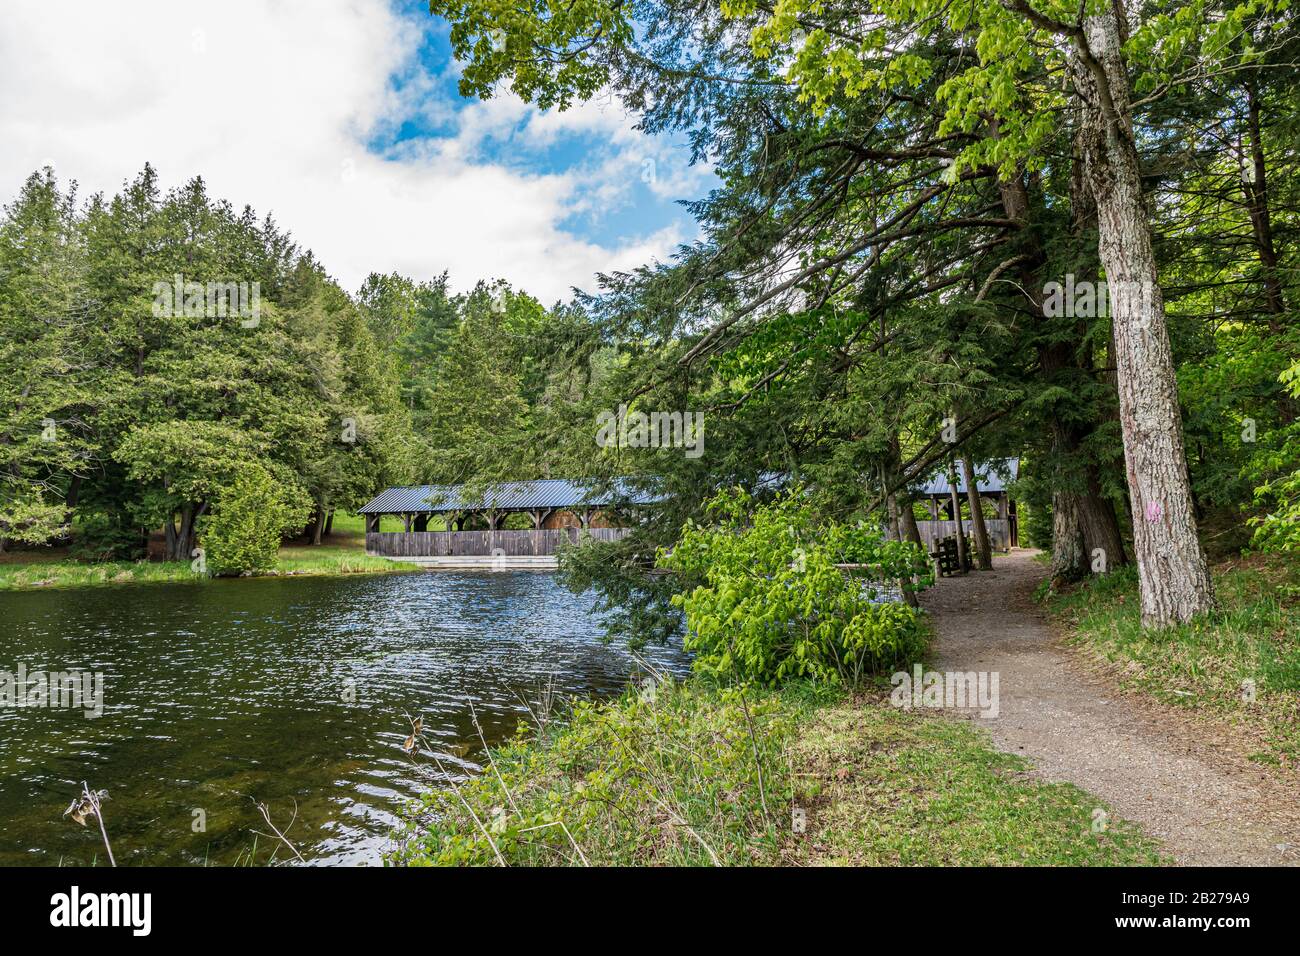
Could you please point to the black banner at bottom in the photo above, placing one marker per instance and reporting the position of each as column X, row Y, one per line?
column 333, row 906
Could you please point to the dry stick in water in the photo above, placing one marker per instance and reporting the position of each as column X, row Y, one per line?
column 93, row 799
column 545, row 703
column 657, row 674
column 266, row 815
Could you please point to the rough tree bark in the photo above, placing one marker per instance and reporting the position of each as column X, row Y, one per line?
column 1096, row 514
column 895, row 522
column 1101, row 532
column 1069, row 561
column 1172, row 572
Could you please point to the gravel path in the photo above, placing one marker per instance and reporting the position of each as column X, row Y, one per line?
column 1182, row 784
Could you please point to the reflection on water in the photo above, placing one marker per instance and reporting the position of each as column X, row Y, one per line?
column 283, row 691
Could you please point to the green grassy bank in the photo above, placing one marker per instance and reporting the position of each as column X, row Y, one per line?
column 1241, row 663
column 344, row 552
column 688, row 774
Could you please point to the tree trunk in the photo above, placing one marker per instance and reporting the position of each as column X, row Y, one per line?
column 1096, row 513
column 1261, row 222
column 891, row 509
column 329, row 523
column 1256, row 190
column 910, row 530
column 169, row 538
column 1069, row 559
column 187, row 537
column 962, row 559
column 1172, row 573
column 896, row 534
column 182, row 538
column 1077, row 491
column 1100, row 527
column 317, row 523
column 983, row 553
column 74, row 493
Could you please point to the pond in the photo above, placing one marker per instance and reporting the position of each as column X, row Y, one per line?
column 289, row 692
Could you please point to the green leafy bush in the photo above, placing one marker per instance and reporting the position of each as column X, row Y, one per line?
column 1278, row 529
column 107, row 536
column 772, row 604
column 252, row 514
column 25, row 515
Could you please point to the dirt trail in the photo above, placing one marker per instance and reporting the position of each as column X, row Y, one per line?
column 1208, row 805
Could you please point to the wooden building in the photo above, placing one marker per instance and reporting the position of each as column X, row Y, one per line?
column 473, row 529
column 992, row 479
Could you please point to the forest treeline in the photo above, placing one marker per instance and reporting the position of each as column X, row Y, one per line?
column 163, row 352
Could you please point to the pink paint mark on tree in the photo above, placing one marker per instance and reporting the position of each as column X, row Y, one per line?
column 1153, row 511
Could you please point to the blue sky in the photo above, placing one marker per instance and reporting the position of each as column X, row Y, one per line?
column 641, row 210
column 343, row 119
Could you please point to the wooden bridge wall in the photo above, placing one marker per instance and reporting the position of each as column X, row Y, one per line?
column 441, row 544
column 999, row 529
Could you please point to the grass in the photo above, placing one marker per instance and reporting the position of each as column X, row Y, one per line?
column 1241, row 663
column 695, row 775
column 344, row 552
column 67, row 573
column 888, row 788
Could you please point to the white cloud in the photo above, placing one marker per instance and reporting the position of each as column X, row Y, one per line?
column 273, row 104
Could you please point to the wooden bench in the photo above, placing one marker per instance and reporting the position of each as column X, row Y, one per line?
column 947, row 557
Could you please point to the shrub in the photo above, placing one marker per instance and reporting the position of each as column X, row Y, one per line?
column 25, row 515
column 1278, row 530
column 771, row 603
column 107, row 536
column 243, row 532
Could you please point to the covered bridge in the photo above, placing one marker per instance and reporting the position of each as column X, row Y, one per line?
column 992, row 478
column 472, row 528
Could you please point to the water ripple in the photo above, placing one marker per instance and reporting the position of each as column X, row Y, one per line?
column 289, row 692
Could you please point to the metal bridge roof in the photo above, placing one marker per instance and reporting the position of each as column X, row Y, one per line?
column 505, row 496
column 991, row 476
